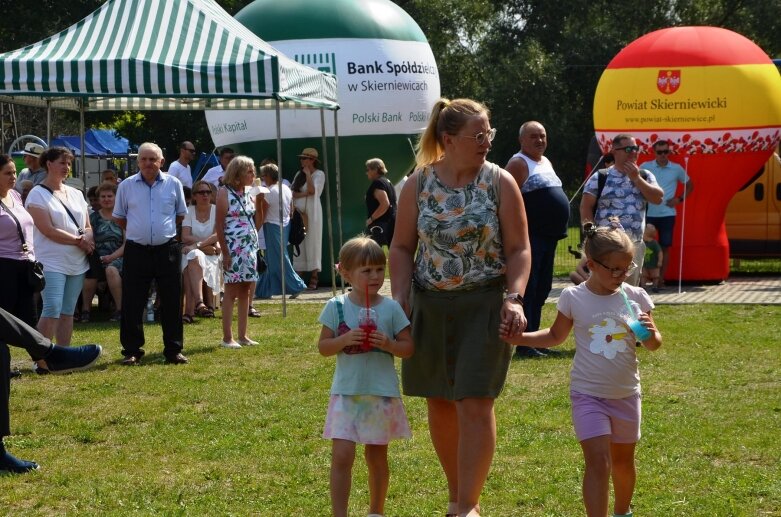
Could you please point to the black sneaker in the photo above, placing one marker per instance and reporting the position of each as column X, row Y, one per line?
column 66, row 359
column 528, row 352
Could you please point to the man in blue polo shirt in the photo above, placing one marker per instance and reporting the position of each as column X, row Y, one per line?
column 149, row 204
column 668, row 174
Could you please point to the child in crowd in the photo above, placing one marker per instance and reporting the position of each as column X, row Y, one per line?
column 581, row 272
column 365, row 405
column 653, row 258
column 604, row 380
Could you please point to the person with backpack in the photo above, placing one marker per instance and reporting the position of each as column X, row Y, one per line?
column 622, row 191
column 270, row 282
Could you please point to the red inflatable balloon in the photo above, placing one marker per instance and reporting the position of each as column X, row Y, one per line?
column 715, row 96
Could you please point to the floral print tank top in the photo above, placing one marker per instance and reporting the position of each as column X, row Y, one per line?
column 459, row 240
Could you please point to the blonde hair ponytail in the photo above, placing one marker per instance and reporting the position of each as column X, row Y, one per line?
column 446, row 117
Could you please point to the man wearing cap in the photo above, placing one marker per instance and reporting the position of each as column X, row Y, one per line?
column 180, row 168
column 33, row 172
column 215, row 174
column 149, row 205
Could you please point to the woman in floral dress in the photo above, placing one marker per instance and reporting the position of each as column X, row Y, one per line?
column 238, row 216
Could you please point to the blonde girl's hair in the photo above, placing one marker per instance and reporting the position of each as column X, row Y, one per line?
column 360, row 251
column 236, row 166
column 604, row 240
column 446, row 117
column 376, row 164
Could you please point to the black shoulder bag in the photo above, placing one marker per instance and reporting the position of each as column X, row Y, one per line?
column 35, row 279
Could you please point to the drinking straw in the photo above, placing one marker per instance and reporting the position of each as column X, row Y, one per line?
column 626, row 301
column 368, row 305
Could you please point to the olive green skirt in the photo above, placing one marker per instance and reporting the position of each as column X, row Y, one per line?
column 458, row 353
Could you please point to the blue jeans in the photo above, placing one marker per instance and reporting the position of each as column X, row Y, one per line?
column 540, row 279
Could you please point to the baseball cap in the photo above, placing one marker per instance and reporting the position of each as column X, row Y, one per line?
column 33, row 149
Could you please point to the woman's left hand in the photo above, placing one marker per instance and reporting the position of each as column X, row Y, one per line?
column 512, row 319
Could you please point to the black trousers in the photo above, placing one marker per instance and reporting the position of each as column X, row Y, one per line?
column 15, row 295
column 142, row 264
column 16, row 332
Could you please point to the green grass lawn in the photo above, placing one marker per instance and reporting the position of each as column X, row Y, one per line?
column 237, row 432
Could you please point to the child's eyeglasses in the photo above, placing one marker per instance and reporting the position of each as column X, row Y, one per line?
column 618, row 272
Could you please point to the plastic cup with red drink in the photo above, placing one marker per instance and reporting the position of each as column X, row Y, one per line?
column 367, row 321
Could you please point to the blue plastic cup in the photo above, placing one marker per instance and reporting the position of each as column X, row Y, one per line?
column 640, row 331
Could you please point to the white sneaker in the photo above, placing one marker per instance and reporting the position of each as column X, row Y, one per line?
column 248, row 342
column 231, row 344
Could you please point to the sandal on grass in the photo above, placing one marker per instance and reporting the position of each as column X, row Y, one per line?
column 187, row 319
column 253, row 312
column 204, row 311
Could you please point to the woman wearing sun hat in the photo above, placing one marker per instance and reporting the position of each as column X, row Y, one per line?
column 307, row 186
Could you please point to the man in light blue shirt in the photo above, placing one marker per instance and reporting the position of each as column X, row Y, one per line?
column 668, row 174
column 148, row 206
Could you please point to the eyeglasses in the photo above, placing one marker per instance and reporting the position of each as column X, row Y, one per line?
column 628, row 149
column 618, row 272
column 663, row 151
column 204, row 192
column 481, row 137
column 191, row 150
column 305, row 158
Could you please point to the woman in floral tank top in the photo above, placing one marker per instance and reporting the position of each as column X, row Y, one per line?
column 465, row 218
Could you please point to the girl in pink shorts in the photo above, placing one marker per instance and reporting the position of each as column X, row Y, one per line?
column 604, row 381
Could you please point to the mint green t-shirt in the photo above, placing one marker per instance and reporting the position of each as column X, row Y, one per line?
column 370, row 373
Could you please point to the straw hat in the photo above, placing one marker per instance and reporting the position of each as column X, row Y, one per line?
column 33, row 149
column 309, row 152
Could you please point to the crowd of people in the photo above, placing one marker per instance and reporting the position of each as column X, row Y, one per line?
column 471, row 247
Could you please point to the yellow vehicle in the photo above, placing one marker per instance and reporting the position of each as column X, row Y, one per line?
column 754, row 214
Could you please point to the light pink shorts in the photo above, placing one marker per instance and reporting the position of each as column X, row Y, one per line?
column 595, row 416
column 366, row 419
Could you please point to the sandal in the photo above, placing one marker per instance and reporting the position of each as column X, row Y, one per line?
column 313, row 281
column 253, row 312
column 84, row 318
column 187, row 319
column 203, row 311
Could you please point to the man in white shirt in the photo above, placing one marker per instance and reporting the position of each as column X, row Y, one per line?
column 214, row 175
column 180, row 168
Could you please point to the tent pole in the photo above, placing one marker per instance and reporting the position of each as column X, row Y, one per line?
column 281, row 214
column 338, row 185
column 81, row 143
column 48, row 121
column 328, row 203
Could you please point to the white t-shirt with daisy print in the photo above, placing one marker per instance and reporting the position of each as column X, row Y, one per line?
column 605, row 363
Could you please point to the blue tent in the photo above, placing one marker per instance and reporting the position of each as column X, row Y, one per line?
column 73, row 144
column 108, row 140
column 103, row 143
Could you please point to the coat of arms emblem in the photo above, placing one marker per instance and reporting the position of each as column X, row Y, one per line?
column 668, row 81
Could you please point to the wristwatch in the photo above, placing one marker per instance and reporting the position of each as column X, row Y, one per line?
column 514, row 297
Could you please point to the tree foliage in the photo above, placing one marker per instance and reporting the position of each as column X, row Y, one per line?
column 526, row 59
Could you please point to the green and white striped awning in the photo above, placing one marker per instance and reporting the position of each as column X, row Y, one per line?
column 160, row 55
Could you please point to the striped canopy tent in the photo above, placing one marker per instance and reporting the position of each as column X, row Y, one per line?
column 160, row 55
column 163, row 55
